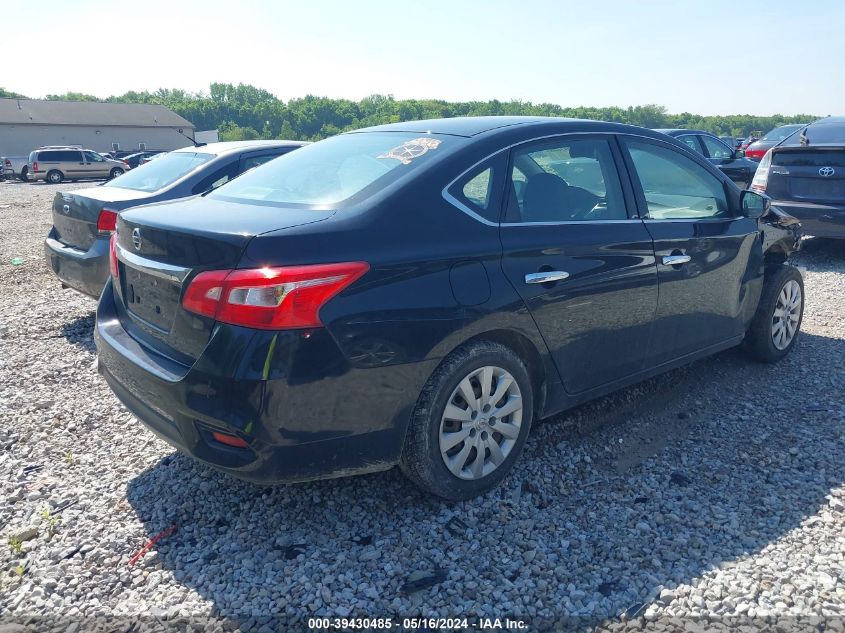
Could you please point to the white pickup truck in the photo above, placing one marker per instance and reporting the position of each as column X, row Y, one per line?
column 12, row 167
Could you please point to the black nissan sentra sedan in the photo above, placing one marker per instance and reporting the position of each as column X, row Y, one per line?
column 77, row 247
column 420, row 293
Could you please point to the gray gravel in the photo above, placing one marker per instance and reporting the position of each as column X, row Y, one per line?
column 715, row 490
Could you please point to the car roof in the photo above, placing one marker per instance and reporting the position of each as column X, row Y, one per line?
column 476, row 126
column 678, row 131
column 238, row 146
column 456, row 126
column 794, row 140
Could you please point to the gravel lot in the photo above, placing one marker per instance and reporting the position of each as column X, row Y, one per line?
column 716, row 490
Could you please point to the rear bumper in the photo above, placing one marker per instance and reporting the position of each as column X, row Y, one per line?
column 820, row 220
column 85, row 271
column 314, row 417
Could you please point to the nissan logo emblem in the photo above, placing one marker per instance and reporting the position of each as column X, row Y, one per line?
column 136, row 239
column 826, row 171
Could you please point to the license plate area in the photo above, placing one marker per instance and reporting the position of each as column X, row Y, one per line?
column 150, row 298
column 74, row 232
column 818, row 188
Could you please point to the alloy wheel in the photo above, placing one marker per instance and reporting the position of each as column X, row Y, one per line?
column 481, row 423
column 787, row 314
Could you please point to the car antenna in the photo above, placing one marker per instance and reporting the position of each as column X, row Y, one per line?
column 179, row 131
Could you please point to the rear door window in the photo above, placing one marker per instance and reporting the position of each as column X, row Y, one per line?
column 566, row 180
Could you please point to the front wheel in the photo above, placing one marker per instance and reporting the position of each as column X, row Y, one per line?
column 776, row 324
column 117, row 171
column 470, row 422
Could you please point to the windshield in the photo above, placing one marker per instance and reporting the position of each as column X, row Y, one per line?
column 780, row 133
column 335, row 169
column 161, row 172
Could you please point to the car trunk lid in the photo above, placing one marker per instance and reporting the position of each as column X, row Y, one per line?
column 162, row 247
column 75, row 213
column 813, row 174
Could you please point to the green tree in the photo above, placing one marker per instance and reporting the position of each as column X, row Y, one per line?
column 243, row 111
column 6, row 94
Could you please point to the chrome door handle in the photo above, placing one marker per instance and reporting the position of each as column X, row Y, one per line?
column 546, row 276
column 675, row 260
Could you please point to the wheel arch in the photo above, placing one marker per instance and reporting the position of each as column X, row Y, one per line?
column 527, row 351
column 777, row 254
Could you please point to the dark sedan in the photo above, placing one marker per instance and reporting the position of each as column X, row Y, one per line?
column 419, row 293
column 731, row 161
column 77, row 247
column 805, row 175
column 133, row 160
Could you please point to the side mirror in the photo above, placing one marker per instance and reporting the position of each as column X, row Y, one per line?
column 740, row 153
column 755, row 205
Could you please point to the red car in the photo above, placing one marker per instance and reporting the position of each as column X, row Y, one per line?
column 758, row 149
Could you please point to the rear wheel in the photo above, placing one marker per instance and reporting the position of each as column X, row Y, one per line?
column 55, row 176
column 776, row 324
column 24, row 172
column 117, row 171
column 470, row 423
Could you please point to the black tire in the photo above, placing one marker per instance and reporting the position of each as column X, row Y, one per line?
column 54, row 177
column 24, row 172
column 760, row 340
column 117, row 171
column 421, row 459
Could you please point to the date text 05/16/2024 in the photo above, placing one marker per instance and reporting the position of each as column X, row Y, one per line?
column 417, row 623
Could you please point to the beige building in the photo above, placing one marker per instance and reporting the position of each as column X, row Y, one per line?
column 26, row 124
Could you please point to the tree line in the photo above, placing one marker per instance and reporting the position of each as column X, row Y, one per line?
column 243, row 112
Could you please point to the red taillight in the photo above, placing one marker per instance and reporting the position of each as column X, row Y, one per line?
column 288, row 297
column 8, row 163
column 106, row 221
column 113, row 267
column 229, row 440
column 125, row 163
column 35, row 166
column 755, row 153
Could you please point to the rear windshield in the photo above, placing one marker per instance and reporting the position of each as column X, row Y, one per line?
column 809, row 157
column 336, row 169
column 780, row 133
column 161, row 172
column 821, row 133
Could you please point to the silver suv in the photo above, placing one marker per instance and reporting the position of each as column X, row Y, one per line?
column 55, row 164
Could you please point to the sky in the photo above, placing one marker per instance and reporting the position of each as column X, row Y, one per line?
column 706, row 57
